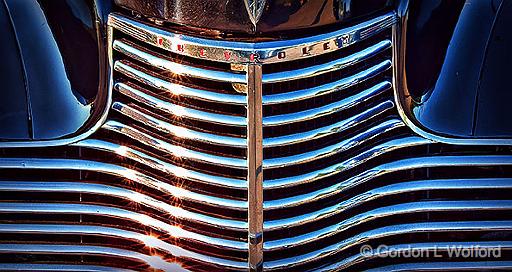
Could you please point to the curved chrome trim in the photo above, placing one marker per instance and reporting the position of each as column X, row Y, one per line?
column 137, row 73
column 447, row 266
column 328, row 88
column 132, row 175
column 373, row 152
column 402, row 229
column 177, row 131
column 155, row 163
column 331, row 66
column 178, row 111
column 337, row 127
column 423, row 247
column 383, row 169
column 244, row 52
column 174, row 231
column 155, row 261
column 147, row 240
column 126, row 194
column 337, row 148
column 176, row 68
column 363, row 198
column 59, row 267
column 340, row 105
column 382, row 212
column 396, row 37
column 178, row 152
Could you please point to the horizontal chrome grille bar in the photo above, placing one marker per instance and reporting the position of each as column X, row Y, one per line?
column 338, row 127
column 175, row 151
column 129, row 174
column 245, row 52
column 343, row 166
column 344, row 104
column 337, row 148
column 329, row 66
column 344, row 205
column 137, row 73
column 165, row 127
column 424, row 247
column 344, row 83
column 153, row 261
column 447, row 266
column 142, row 55
column 388, row 168
column 107, row 190
column 178, row 111
column 60, row 267
column 393, row 230
column 147, row 240
column 172, row 230
column 382, row 212
column 160, row 165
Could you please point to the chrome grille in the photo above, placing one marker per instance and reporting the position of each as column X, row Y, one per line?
column 164, row 183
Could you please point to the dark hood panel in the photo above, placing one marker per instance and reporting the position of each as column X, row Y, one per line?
column 231, row 15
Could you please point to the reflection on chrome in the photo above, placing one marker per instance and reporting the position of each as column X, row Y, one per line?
column 396, row 166
column 289, row 160
column 137, row 73
column 142, row 55
column 338, row 106
column 338, row 127
column 294, row 96
column 386, row 211
column 331, row 66
column 178, row 112
column 122, row 172
column 174, row 231
column 179, row 132
column 147, row 240
column 364, row 237
column 445, row 266
column 373, row 152
column 337, row 148
column 153, row 261
column 177, row 152
column 173, row 211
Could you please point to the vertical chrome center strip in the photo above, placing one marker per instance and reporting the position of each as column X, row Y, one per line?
column 255, row 168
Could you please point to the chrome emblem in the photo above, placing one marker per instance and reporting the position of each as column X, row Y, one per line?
column 254, row 9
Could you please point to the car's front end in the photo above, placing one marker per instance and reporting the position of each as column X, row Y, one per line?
column 251, row 135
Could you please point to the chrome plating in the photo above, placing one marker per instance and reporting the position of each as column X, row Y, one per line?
column 244, row 52
column 255, row 165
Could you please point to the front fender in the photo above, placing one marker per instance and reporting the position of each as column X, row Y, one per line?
column 58, row 57
column 452, row 67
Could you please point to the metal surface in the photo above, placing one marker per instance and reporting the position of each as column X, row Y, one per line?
column 243, row 52
column 255, row 10
column 429, row 80
column 402, row 229
column 331, row 66
column 177, row 110
column 139, row 74
column 63, row 78
column 266, row 164
column 336, row 86
column 152, row 261
column 255, row 166
column 426, row 247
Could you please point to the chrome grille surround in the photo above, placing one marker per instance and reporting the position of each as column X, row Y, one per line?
column 263, row 160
